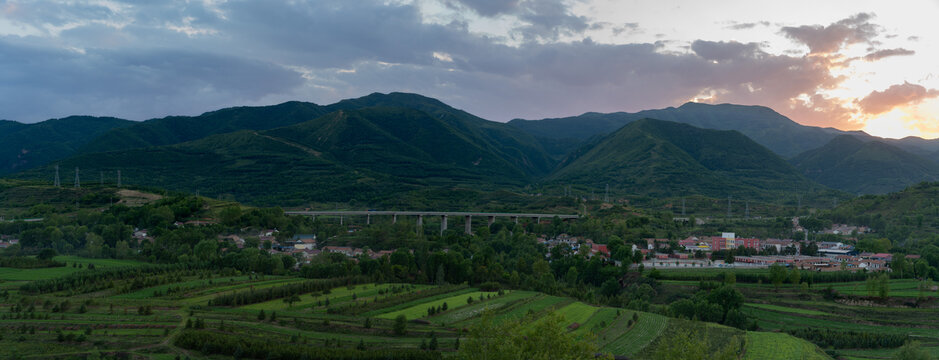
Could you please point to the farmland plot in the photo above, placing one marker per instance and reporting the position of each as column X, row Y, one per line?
column 643, row 332
column 772, row 346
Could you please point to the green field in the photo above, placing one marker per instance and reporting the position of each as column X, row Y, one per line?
column 642, row 333
column 778, row 346
column 453, row 302
column 788, row 309
column 576, row 314
column 12, row 274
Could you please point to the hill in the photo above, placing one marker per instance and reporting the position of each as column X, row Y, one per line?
column 25, row 146
column 663, row 158
column 849, row 164
column 762, row 124
column 179, row 129
column 367, row 155
column 912, row 213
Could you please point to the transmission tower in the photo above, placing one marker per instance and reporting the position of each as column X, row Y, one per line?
column 800, row 203
column 682, row 206
column 728, row 206
column 748, row 209
column 118, row 178
column 78, row 184
column 101, row 181
column 606, row 197
column 57, row 183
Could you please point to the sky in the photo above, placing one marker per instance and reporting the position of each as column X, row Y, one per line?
column 852, row 65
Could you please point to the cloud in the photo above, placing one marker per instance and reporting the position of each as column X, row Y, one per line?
column 880, row 54
column 878, row 102
column 142, row 59
column 747, row 26
column 721, row 51
column 830, row 39
column 487, row 8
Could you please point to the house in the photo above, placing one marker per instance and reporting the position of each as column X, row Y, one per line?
column 304, row 241
column 882, row 256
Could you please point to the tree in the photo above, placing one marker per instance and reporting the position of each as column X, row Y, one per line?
column 47, row 254
column 206, row 249
column 514, row 339
column 777, row 275
column 794, row 276
column 401, row 325
column 262, row 316
column 291, row 299
column 911, row 351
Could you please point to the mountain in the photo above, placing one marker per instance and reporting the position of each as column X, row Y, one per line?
column 663, row 158
column 179, row 129
column 764, row 125
column 25, row 146
column 367, row 154
column 514, row 145
column 910, row 213
column 873, row 167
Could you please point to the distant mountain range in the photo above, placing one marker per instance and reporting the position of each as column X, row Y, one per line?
column 382, row 145
column 859, row 167
column 762, row 124
column 667, row 159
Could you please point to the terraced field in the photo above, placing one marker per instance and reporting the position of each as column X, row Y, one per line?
column 641, row 334
column 779, row 346
column 453, row 302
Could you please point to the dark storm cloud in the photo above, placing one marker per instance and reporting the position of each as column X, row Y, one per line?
column 829, row 39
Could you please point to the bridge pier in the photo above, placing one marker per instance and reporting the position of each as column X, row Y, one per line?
column 515, row 219
column 420, row 221
column 394, row 219
column 492, row 220
column 443, row 224
column 368, row 219
column 469, row 225
column 340, row 220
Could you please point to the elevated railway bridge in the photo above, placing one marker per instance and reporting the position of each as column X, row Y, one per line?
column 444, row 216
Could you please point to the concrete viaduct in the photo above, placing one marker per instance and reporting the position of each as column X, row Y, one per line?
column 444, row 215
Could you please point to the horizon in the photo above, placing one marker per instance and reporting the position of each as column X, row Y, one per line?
column 846, row 65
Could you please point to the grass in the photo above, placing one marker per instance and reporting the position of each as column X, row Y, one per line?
column 791, row 310
column 898, row 288
column 453, row 302
column 773, row 346
column 643, row 332
column 600, row 320
column 471, row 311
column 577, row 313
column 13, row 274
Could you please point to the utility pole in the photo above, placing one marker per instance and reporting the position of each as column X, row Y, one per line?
column 728, row 207
column 77, row 183
column 57, row 183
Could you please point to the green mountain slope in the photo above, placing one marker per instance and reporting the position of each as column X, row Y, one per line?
column 764, row 125
column 404, row 143
column 662, row 158
column 178, row 129
column 912, row 213
column 849, row 164
column 512, row 144
column 369, row 154
column 25, row 146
